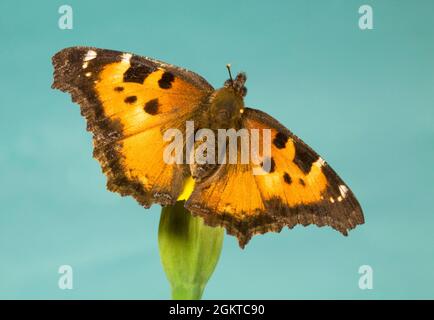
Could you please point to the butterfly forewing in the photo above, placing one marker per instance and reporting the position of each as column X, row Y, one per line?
column 128, row 101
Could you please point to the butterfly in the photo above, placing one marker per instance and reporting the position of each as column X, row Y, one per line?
column 129, row 101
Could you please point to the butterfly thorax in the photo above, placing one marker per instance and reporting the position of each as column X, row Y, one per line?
column 227, row 104
column 226, row 107
column 223, row 112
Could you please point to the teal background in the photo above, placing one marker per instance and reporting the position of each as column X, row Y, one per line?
column 363, row 99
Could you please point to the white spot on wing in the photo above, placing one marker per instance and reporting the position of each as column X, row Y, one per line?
column 320, row 162
column 332, row 200
column 91, row 54
column 85, row 65
column 126, row 57
column 343, row 189
column 88, row 74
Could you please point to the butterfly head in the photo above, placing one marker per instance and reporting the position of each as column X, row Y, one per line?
column 236, row 84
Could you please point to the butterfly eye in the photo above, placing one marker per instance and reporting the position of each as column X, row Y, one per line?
column 241, row 77
column 243, row 91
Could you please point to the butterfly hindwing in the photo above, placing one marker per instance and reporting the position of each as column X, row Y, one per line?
column 128, row 102
column 300, row 188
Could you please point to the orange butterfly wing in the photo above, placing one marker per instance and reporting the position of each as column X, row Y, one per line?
column 128, row 102
column 300, row 188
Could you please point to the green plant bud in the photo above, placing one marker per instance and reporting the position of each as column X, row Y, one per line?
column 189, row 250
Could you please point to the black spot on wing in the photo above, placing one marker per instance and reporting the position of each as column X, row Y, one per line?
column 151, row 107
column 272, row 165
column 287, row 178
column 304, row 157
column 166, row 80
column 280, row 140
column 138, row 71
column 119, row 89
column 301, row 181
column 130, row 99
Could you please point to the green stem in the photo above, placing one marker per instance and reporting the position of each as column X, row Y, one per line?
column 189, row 251
column 187, row 292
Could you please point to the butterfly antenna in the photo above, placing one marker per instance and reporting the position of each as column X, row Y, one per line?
column 228, row 66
